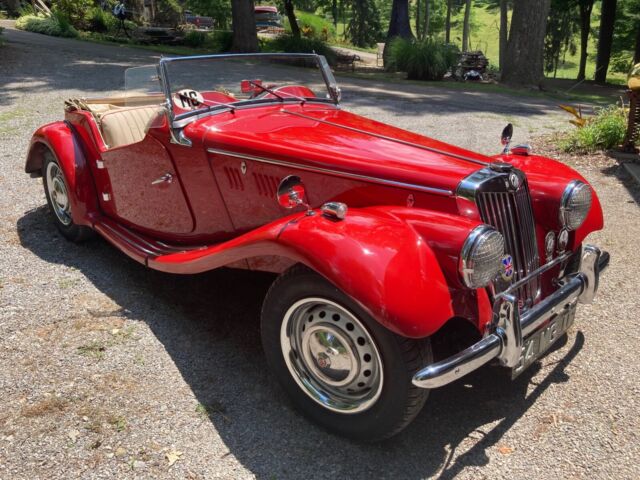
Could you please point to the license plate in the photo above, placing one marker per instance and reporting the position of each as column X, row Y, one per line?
column 539, row 342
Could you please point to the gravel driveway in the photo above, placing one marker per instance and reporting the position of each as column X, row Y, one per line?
column 110, row 370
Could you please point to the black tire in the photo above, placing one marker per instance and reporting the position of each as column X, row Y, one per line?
column 70, row 230
column 399, row 401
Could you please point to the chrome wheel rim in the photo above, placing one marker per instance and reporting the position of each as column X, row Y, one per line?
column 331, row 355
column 57, row 189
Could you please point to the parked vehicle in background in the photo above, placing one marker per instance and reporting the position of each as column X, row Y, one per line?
column 199, row 21
column 268, row 20
column 404, row 263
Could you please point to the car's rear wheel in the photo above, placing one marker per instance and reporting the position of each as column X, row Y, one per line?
column 57, row 193
column 340, row 367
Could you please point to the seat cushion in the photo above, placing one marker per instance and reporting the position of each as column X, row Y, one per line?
column 124, row 126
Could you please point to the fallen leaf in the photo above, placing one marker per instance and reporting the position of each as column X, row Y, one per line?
column 504, row 450
column 173, row 456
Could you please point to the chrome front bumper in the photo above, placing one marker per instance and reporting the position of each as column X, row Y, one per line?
column 511, row 328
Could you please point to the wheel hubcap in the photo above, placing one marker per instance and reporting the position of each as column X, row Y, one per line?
column 331, row 355
column 58, row 193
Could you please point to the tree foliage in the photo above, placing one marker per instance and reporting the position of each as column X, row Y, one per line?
column 364, row 28
column 561, row 31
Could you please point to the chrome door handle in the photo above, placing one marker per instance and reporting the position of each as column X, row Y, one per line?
column 166, row 178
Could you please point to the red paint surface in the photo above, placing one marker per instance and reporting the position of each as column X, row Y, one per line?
column 396, row 253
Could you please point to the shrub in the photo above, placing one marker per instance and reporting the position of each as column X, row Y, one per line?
column 425, row 59
column 219, row 41
column 313, row 26
column 602, row 132
column 291, row 44
column 73, row 11
column 194, row 38
column 100, row 21
column 55, row 25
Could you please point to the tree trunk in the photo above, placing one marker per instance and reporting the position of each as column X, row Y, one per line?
column 291, row 15
column 504, row 31
column 524, row 60
column 334, row 12
column 427, row 18
column 447, row 23
column 466, row 27
column 418, row 17
column 586, row 6
column 399, row 25
column 607, row 21
column 245, row 37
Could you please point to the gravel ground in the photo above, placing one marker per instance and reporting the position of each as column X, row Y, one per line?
column 111, row 370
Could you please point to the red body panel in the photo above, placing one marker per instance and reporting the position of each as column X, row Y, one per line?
column 396, row 252
column 377, row 256
column 71, row 152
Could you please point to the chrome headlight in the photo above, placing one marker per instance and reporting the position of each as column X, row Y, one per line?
column 480, row 259
column 575, row 204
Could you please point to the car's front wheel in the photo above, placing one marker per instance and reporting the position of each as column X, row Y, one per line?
column 57, row 193
column 340, row 367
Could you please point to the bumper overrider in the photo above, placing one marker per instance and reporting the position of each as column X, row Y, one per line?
column 511, row 328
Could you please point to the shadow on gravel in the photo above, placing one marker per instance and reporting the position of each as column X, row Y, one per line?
column 208, row 324
column 625, row 179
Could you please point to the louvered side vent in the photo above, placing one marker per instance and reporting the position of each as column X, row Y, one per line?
column 266, row 185
column 234, row 177
column 511, row 214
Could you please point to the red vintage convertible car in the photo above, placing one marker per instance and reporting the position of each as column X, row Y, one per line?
column 404, row 263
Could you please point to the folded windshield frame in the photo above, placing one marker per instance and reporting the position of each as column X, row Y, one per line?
column 179, row 121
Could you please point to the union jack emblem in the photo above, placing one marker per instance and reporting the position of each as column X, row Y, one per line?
column 507, row 267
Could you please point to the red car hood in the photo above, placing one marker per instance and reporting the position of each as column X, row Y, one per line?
column 337, row 140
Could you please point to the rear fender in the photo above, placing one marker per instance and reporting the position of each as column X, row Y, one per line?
column 60, row 140
column 378, row 256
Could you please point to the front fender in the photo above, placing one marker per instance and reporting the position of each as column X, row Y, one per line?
column 60, row 140
column 547, row 180
column 395, row 262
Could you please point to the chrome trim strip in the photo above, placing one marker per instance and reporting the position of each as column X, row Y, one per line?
column 337, row 173
column 391, row 139
column 505, row 342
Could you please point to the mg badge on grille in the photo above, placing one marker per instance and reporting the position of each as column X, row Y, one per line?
column 514, row 180
column 507, row 268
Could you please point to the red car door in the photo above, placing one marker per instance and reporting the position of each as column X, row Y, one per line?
column 145, row 190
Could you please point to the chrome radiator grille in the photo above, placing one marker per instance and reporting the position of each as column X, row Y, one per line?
column 511, row 214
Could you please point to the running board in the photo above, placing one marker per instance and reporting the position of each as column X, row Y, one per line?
column 136, row 245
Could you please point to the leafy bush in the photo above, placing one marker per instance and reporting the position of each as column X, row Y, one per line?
column 313, row 26
column 602, row 132
column 55, row 25
column 100, row 21
column 291, row 44
column 73, row 11
column 194, row 38
column 425, row 59
column 219, row 41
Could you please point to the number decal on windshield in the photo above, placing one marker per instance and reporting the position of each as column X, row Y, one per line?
column 188, row 99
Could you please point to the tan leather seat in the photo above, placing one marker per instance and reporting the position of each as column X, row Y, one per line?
column 127, row 125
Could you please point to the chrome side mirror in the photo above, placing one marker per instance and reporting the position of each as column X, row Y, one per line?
column 505, row 138
column 291, row 193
